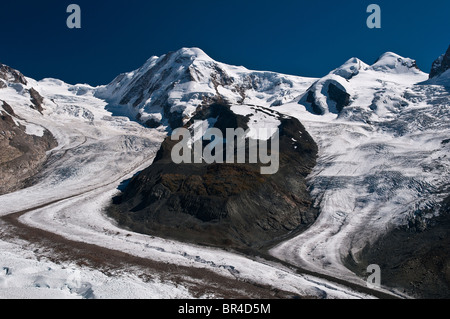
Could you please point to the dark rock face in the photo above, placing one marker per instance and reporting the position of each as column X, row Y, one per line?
column 441, row 64
column 22, row 155
column 230, row 205
column 37, row 100
column 341, row 97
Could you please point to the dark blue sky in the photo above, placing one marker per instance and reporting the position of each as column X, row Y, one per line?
column 308, row 38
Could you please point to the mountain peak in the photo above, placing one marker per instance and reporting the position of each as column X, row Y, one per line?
column 193, row 53
column 350, row 68
column 170, row 88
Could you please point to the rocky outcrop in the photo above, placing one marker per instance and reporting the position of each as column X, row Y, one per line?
column 11, row 75
column 329, row 94
column 22, row 154
column 335, row 92
column 229, row 205
column 440, row 65
column 414, row 259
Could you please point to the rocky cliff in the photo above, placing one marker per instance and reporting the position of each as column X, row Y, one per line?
column 229, row 205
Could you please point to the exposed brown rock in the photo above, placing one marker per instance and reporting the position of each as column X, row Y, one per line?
column 21, row 155
column 230, row 205
column 11, row 75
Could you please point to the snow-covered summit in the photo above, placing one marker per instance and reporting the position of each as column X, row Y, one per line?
column 356, row 83
column 168, row 89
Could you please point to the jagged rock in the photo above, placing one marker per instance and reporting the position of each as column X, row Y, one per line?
column 414, row 257
column 440, row 65
column 22, row 154
column 340, row 96
column 8, row 109
column 11, row 75
column 37, row 100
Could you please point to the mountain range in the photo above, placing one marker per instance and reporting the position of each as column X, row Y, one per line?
column 364, row 160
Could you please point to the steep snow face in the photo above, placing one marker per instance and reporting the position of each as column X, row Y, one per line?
column 168, row 89
column 443, row 79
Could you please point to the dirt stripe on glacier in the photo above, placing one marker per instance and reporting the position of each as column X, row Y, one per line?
column 199, row 282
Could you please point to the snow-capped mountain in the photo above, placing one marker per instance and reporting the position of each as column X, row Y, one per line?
column 341, row 86
column 168, row 89
column 378, row 135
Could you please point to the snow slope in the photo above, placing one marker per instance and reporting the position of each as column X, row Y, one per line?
column 382, row 161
